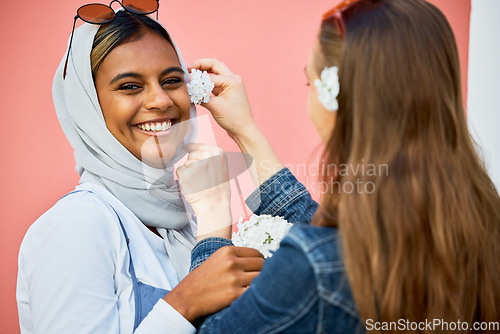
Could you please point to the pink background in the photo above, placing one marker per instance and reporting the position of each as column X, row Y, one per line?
column 266, row 42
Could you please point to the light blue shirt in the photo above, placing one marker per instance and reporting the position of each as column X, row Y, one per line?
column 74, row 269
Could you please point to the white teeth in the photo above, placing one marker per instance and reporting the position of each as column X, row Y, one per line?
column 156, row 126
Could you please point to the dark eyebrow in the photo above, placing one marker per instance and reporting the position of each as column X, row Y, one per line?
column 137, row 75
column 123, row 75
column 172, row 69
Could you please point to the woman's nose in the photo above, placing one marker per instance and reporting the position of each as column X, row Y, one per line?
column 157, row 98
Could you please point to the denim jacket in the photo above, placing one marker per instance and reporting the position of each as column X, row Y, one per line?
column 302, row 288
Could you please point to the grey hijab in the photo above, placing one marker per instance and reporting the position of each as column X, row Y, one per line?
column 150, row 193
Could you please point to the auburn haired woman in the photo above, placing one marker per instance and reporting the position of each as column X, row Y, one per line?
column 425, row 243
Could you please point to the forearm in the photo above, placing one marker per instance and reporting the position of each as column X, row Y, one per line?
column 283, row 195
column 265, row 161
column 214, row 220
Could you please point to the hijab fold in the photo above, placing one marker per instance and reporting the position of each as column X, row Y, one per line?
column 151, row 194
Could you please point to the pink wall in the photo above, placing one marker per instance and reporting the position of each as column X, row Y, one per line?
column 266, row 42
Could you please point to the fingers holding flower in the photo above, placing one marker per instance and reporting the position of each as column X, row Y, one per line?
column 211, row 65
column 229, row 105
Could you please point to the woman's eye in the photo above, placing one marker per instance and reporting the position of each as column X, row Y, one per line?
column 129, row 86
column 172, row 81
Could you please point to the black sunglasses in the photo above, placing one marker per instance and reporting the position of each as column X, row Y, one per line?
column 97, row 13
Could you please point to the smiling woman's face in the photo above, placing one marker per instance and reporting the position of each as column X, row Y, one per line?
column 144, row 99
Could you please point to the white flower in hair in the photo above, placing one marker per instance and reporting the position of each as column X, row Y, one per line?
column 200, row 86
column 263, row 233
column 328, row 88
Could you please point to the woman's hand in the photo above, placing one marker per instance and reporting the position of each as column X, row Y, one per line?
column 216, row 283
column 229, row 105
column 231, row 110
column 205, row 185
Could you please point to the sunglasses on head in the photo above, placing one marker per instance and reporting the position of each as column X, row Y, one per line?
column 96, row 13
column 337, row 13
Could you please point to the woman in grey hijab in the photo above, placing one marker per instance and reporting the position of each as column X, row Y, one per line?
column 109, row 256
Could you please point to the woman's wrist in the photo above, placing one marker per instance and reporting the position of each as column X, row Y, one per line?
column 248, row 136
column 182, row 303
column 214, row 206
column 265, row 161
column 214, row 221
column 224, row 233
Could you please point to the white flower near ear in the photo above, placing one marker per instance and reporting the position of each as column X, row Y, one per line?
column 263, row 233
column 200, row 86
column 328, row 88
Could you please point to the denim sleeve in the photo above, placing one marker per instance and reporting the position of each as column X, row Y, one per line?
column 283, row 296
column 205, row 248
column 283, row 195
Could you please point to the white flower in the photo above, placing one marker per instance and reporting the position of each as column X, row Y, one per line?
column 200, row 86
column 263, row 233
column 328, row 88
